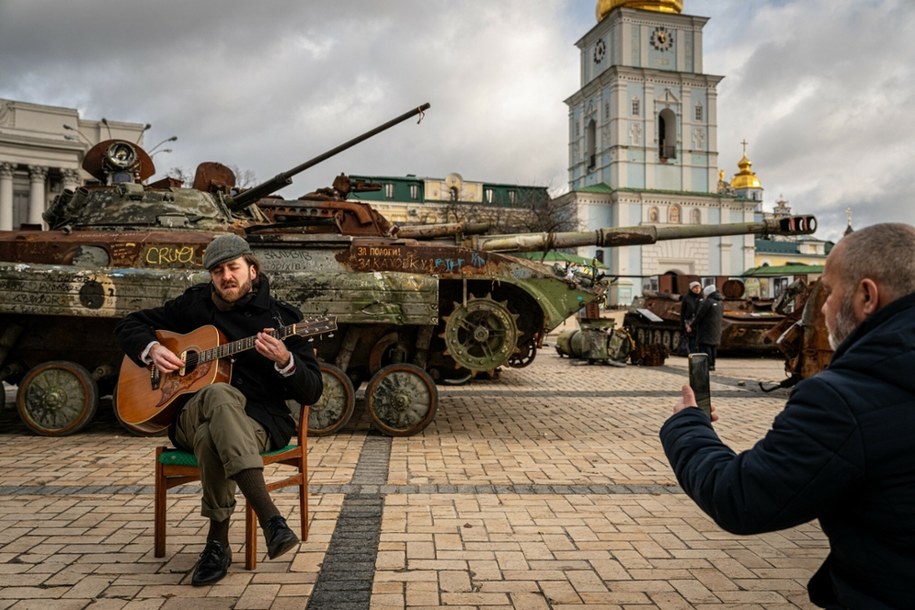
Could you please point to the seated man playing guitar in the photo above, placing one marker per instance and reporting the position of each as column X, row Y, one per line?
column 228, row 425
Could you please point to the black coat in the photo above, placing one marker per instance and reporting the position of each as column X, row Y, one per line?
column 255, row 376
column 689, row 305
column 707, row 322
column 841, row 452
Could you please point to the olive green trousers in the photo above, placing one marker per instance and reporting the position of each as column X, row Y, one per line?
column 214, row 426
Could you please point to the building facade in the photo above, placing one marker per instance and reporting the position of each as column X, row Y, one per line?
column 412, row 199
column 41, row 154
column 643, row 145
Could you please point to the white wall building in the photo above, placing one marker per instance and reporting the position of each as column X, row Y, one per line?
column 39, row 157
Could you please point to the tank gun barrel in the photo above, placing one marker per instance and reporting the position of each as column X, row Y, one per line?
column 635, row 236
column 442, row 230
column 246, row 198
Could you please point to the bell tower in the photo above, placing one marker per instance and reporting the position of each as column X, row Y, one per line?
column 645, row 115
column 643, row 146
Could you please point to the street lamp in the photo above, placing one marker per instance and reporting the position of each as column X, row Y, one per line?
column 81, row 134
column 142, row 131
column 164, row 150
column 171, row 139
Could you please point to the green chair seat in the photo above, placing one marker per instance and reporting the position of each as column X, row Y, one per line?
column 177, row 457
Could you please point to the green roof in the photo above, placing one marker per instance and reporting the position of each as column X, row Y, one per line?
column 778, row 270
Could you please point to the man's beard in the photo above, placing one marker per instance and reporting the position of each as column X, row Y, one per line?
column 845, row 324
column 232, row 294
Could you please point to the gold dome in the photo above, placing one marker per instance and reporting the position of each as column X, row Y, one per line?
column 659, row 6
column 745, row 178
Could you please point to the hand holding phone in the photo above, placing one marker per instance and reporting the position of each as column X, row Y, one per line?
column 699, row 381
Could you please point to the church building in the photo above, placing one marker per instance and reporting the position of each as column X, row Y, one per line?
column 643, row 145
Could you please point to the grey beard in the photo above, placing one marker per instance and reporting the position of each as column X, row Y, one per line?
column 845, row 325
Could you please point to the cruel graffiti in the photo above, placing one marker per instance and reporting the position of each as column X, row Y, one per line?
column 166, row 256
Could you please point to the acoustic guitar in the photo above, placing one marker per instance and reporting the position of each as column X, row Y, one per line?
column 149, row 400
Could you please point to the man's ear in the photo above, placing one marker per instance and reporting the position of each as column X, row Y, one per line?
column 869, row 295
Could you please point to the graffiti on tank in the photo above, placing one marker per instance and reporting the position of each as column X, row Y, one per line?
column 168, row 256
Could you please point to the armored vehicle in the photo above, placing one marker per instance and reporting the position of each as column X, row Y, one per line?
column 802, row 336
column 413, row 305
column 654, row 318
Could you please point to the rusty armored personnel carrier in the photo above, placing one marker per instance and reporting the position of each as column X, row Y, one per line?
column 654, row 318
column 413, row 305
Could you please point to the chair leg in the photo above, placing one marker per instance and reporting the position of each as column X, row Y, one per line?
column 303, row 495
column 250, row 538
column 159, row 507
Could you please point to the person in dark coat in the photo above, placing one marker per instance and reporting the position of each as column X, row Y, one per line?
column 228, row 425
column 841, row 450
column 689, row 305
column 707, row 323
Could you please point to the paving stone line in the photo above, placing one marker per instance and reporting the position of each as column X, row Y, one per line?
column 362, row 489
column 345, row 579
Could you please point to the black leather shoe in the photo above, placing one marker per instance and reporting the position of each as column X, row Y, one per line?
column 279, row 537
column 213, row 564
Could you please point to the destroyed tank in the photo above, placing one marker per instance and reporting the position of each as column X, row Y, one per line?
column 412, row 305
column 801, row 336
column 654, row 317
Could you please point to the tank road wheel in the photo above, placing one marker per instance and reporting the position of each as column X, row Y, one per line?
column 526, row 353
column 57, row 398
column 335, row 407
column 481, row 335
column 401, row 399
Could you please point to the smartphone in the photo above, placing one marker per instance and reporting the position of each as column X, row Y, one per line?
column 698, row 381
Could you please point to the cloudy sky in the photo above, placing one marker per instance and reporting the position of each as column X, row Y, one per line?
column 823, row 90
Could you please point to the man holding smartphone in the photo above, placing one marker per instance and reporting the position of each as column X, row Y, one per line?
column 841, row 450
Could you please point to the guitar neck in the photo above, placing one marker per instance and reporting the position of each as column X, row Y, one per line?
column 242, row 345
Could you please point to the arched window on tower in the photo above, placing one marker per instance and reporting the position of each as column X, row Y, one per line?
column 667, row 134
column 673, row 215
column 695, row 216
column 453, row 193
column 591, row 144
column 653, row 214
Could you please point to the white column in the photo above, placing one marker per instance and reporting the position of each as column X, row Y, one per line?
column 6, row 196
column 37, row 199
column 71, row 179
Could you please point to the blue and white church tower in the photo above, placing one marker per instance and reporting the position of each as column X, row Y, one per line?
column 643, row 144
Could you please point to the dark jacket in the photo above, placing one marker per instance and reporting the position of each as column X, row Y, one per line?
column 255, row 376
column 707, row 322
column 689, row 305
column 841, row 452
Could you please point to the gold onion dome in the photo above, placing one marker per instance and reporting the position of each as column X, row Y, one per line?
column 659, row 6
column 745, row 178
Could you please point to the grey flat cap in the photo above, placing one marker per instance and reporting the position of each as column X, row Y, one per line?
column 224, row 248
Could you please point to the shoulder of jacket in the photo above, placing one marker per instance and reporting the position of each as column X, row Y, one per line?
column 288, row 308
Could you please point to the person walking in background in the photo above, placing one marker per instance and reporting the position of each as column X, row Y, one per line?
column 707, row 323
column 841, row 450
column 689, row 305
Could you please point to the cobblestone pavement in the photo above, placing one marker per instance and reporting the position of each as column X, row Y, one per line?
column 544, row 489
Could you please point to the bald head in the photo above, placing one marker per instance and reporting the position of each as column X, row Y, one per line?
column 884, row 253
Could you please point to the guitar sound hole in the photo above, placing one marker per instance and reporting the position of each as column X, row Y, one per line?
column 190, row 362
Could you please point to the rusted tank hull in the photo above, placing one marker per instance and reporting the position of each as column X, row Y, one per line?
column 744, row 329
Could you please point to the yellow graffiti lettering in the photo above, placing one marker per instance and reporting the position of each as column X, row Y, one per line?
column 169, row 255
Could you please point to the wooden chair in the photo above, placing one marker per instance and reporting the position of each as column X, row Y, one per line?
column 175, row 467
